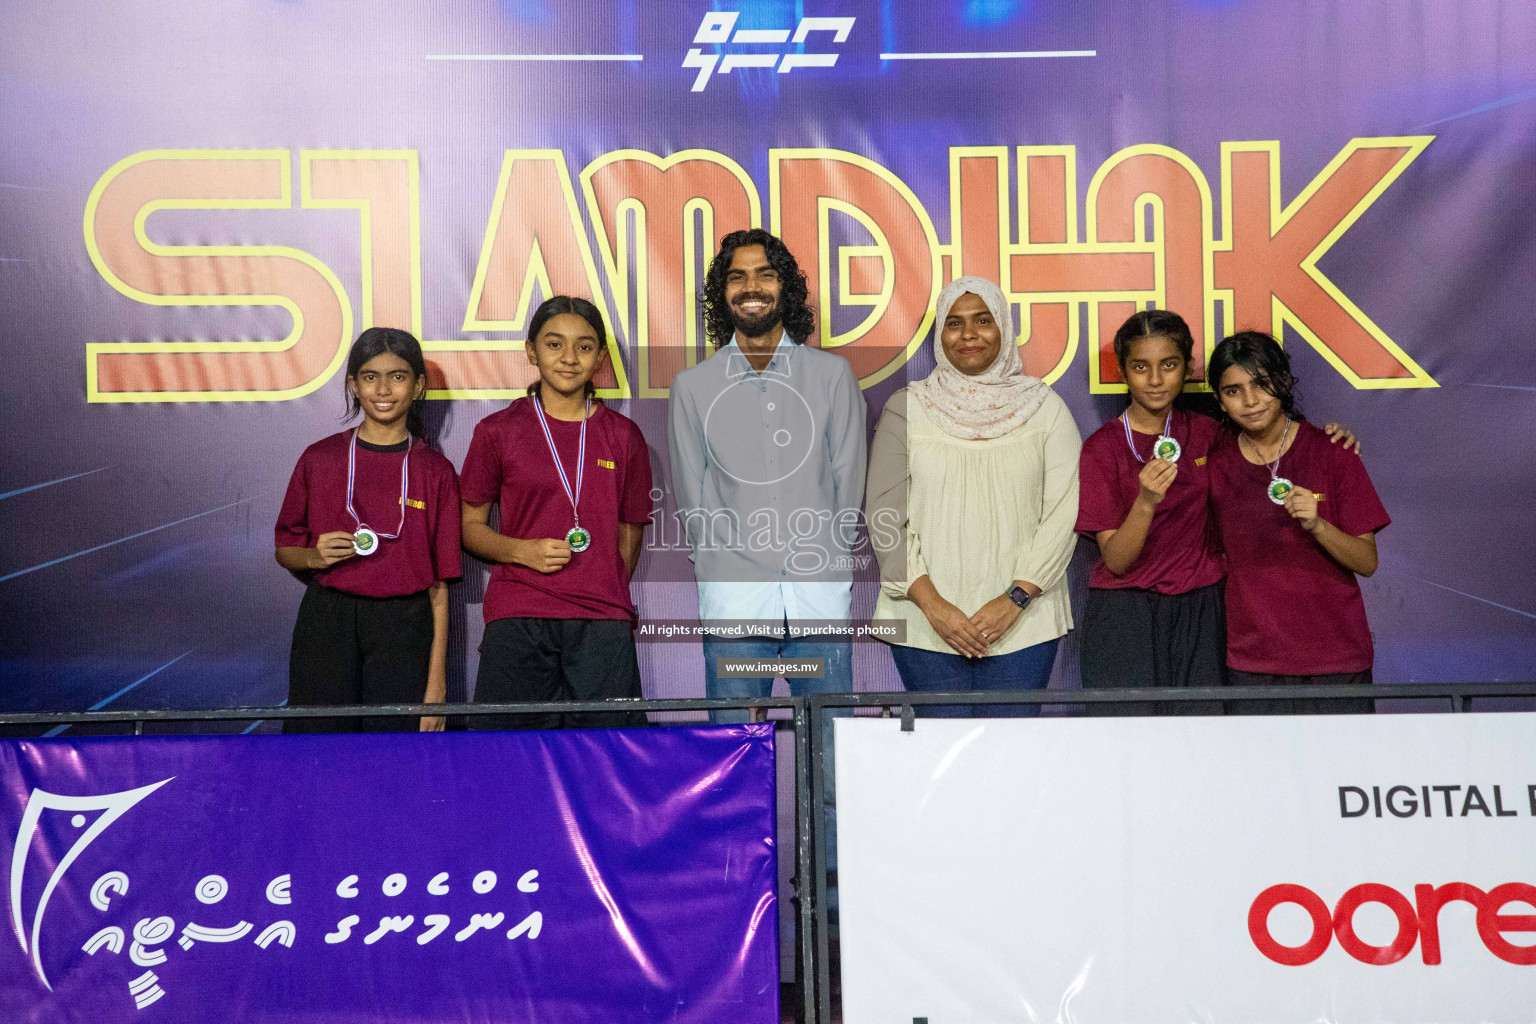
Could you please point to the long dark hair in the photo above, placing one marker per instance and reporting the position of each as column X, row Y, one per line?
column 1154, row 323
column 375, row 341
column 795, row 314
column 1264, row 359
column 553, row 307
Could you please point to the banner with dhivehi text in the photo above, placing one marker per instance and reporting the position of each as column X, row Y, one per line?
column 575, row 877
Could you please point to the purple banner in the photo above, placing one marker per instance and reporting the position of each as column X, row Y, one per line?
column 601, row 875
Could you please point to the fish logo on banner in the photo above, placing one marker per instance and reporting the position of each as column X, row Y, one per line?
column 717, row 27
column 146, row 942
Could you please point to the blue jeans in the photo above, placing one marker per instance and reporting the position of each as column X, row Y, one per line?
column 837, row 660
column 932, row 672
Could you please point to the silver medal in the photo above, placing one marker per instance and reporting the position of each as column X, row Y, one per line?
column 365, row 541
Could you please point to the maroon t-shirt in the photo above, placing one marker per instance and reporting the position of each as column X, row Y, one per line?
column 1291, row 609
column 509, row 462
column 1179, row 554
column 428, row 548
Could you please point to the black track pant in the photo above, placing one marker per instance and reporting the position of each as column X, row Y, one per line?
column 1142, row 638
column 359, row 650
column 555, row 660
column 1302, row 705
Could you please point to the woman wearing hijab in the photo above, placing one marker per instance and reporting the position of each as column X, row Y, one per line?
column 972, row 498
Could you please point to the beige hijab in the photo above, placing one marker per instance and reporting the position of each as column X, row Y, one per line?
column 993, row 402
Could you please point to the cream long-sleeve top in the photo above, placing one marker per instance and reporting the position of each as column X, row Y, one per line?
column 974, row 516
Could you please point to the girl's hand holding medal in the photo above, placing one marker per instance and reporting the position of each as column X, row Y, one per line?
column 1155, row 479
column 546, row 556
column 332, row 548
column 1302, row 505
column 1158, row 475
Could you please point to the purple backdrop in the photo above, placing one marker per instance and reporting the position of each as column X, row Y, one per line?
column 139, row 569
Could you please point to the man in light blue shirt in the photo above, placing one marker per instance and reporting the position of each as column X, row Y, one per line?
column 768, row 456
column 768, row 452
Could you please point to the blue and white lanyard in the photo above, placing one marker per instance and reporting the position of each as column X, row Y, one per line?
column 581, row 456
column 405, row 484
column 1125, row 421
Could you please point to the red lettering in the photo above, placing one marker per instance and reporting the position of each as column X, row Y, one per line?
column 1184, row 215
column 1290, row 956
column 1411, row 925
column 1344, row 924
column 1430, row 900
column 534, row 243
column 667, row 195
column 1271, row 254
column 1490, row 923
column 803, row 181
column 213, row 275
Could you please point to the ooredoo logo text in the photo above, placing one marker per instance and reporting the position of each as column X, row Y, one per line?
column 1418, row 921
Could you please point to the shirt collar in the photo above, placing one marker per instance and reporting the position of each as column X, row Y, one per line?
column 737, row 366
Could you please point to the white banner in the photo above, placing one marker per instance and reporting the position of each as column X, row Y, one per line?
column 1149, row 870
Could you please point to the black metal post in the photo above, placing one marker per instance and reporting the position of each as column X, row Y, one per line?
column 807, row 867
column 821, row 962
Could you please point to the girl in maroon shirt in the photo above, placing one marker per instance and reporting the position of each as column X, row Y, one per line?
column 573, row 480
column 1298, row 519
column 1155, row 615
column 371, row 518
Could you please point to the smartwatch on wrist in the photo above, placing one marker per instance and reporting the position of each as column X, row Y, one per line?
column 1019, row 596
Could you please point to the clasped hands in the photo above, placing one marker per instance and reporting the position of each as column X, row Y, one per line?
column 970, row 635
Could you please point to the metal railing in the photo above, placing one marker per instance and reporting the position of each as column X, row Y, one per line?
column 806, row 719
column 756, row 707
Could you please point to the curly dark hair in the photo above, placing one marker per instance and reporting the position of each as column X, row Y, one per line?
column 1264, row 359
column 794, row 312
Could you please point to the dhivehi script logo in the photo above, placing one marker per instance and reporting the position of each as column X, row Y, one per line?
column 148, row 942
column 719, row 28
column 112, row 806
